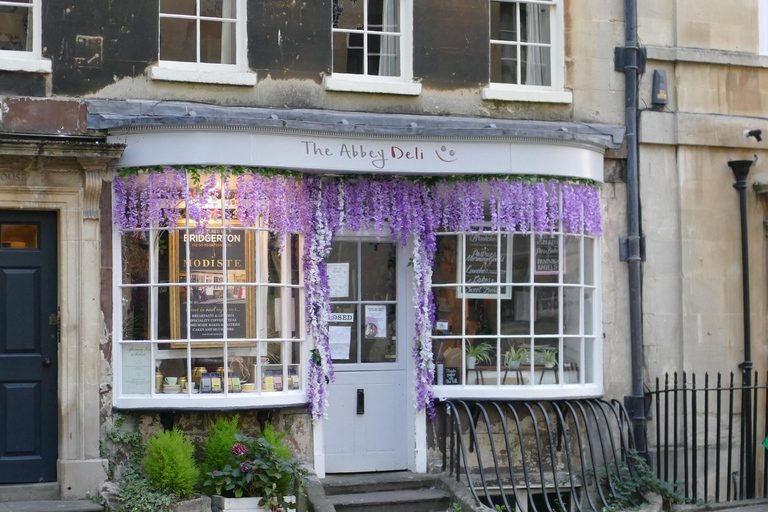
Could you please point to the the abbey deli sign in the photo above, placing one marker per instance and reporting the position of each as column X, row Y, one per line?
column 376, row 154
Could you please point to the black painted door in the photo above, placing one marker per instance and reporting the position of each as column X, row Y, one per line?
column 28, row 347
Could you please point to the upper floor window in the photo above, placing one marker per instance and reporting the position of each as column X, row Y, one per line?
column 763, row 26
column 372, row 47
column 203, row 41
column 20, row 37
column 526, row 51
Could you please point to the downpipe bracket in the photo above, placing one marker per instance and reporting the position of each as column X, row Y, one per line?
column 631, row 248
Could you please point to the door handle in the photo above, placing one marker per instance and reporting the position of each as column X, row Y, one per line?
column 47, row 362
column 360, row 401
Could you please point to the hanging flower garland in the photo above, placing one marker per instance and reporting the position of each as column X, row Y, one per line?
column 319, row 207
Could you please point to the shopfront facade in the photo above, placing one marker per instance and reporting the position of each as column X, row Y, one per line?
column 223, row 307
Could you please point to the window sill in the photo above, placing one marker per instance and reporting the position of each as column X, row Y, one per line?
column 213, row 401
column 501, row 93
column 370, row 85
column 202, row 77
column 27, row 65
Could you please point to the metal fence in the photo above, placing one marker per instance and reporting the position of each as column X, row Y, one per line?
column 568, row 455
column 701, row 444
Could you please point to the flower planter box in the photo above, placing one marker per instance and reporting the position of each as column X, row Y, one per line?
column 222, row 504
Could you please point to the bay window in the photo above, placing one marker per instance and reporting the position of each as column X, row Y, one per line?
column 523, row 304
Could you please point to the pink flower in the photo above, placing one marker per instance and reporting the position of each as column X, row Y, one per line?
column 244, row 468
column 239, row 449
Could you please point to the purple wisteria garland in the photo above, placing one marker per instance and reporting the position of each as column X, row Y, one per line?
column 318, row 207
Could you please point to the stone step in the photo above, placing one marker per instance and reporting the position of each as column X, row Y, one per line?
column 30, row 492
column 50, row 506
column 401, row 500
column 376, row 482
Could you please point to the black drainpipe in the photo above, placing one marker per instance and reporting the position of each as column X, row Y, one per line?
column 740, row 171
column 631, row 61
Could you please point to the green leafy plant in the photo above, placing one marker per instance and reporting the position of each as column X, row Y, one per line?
column 256, row 469
column 457, row 507
column 170, row 463
column 218, row 446
column 548, row 356
column 515, row 355
column 628, row 484
column 481, row 351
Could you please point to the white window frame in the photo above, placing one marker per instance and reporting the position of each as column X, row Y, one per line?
column 201, row 401
column 30, row 61
column 494, row 388
column 203, row 72
column 403, row 84
column 554, row 93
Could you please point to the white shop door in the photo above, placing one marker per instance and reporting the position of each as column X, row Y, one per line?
column 367, row 409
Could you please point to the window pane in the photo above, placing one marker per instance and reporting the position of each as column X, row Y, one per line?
column 534, row 23
column 178, row 7
column 379, row 280
column 445, row 267
column 589, row 261
column 481, row 317
column 344, row 326
column 347, row 53
column 138, row 372
column 18, row 236
column 571, row 316
column 217, row 42
column 535, row 67
column 572, row 260
column 135, row 313
column 589, row 361
column 571, row 361
column 521, row 260
column 297, row 303
column 342, row 271
column 167, row 328
column 448, row 312
column 515, row 359
column 379, row 345
column 481, row 262
column 218, row 8
column 16, row 28
column 178, row 40
column 546, row 359
column 274, row 312
column 274, row 257
column 589, row 327
column 546, row 311
column 516, row 312
column 135, row 256
column 546, row 258
column 295, row 259
column 384, row 15
column 504, row 63
column 348, row 13
column 384, row 55
column 504, row 21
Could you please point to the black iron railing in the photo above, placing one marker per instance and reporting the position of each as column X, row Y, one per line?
column 539, row 455
column 701, row 443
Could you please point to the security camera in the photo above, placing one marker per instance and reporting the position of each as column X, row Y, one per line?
column 757, row 134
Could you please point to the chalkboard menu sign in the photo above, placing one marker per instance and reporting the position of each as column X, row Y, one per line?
column 547, row 254
column 481, row 265
column 451, row 376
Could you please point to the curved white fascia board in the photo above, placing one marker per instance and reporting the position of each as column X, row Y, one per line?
column 349, row 154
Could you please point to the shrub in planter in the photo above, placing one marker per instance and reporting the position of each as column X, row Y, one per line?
column 257, row 469
column 218, row 447
column 169, row 463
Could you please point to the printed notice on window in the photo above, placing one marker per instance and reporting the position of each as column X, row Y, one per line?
column 338, row 279
column 137, row 367
column 375, row 322
column 547, row 251
column 339, row 337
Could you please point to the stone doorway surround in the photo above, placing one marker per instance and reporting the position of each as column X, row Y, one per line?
column 66, row 176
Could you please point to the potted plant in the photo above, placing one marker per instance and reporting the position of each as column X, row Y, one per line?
column 548, row 357
column 260, row 476
column 514, row 356
column 478, row 353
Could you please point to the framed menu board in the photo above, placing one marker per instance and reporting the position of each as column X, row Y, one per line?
column 481, row 265
column 209, row 286
column 546, row 255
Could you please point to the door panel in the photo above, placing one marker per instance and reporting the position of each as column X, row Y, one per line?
column 28, row 347
column 366, row 428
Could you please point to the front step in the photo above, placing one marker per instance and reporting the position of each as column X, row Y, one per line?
column 51, row 506
column 30, row 492
column 400, row 491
